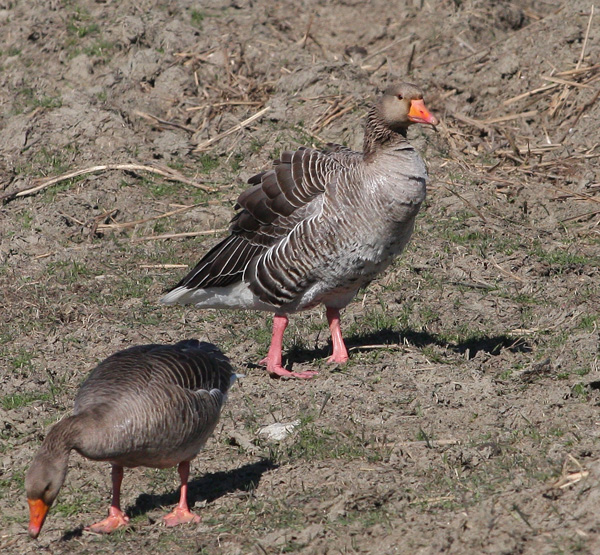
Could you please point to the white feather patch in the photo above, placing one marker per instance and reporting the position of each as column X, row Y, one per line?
column 236, row 296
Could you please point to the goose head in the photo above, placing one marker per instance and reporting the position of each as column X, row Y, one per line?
column 44, row 479
column 402, row 105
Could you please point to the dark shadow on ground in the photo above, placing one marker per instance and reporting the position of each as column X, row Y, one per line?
column 208, row 487
column 492, row 344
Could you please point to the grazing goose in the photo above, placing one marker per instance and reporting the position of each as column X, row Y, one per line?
column 150, row 405
column 318, row 226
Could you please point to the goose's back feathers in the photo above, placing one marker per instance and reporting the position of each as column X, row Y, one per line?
column 152, row 405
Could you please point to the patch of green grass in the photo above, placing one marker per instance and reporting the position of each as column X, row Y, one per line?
column 302, row 137
column 133, row 287
column 13, row 481
column 466, row 237
column 557, row 339
column 422, row 435
column 159, row 479
column 18, row 400
column 163, row 189
column 580, row 390
column 25, row 219
column 6, row 336
column 49, row 195
column 28, row 99
column 21, row 361
column 256, row 145
column 508, row 245
column 583, row 371
column 236, row 162
column 74, row 504
column 51, row 159
column 589, row 322
column 208, row 163
column 80, row 23
column 69, row 272
column 278, row 513
column 101, row 49
column 46, row 162
column 159, row 227
column 428, row 316
column 49, row 102
column 432, row 354
column 560, row 259
column 314, row 442
column 81, row 29
column 292, row 547
column 177, row 164
column 526, row 299
column 506, row 374
column 197, row 17
column 373, row 321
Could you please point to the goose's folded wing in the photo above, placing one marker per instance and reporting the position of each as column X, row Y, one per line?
column 278, row 200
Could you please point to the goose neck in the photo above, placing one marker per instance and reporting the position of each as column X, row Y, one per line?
column 378, row 135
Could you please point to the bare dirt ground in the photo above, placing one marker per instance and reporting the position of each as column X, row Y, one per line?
column 467, row 418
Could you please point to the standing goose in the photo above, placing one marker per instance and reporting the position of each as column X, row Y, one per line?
column 318, row 226
column 150, row 405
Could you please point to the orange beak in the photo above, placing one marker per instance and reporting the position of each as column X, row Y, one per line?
column 419, row 114
column 37, row 514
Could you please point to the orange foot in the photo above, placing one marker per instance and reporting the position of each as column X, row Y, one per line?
column 180, row 516
column 278, row 371
column 116, row 519
column 338, row 359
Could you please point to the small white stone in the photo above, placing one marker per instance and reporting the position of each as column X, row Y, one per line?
column 279, row 430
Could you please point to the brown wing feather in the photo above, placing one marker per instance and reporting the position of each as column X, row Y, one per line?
column 278, row 200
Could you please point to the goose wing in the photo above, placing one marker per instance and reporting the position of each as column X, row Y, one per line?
column 278, row 200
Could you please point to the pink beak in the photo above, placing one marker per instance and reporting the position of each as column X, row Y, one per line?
column 419, row 114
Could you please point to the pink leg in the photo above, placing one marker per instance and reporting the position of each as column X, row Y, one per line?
column 340, row 353
column 273, row 359
column 182, row 514
column 116, row 517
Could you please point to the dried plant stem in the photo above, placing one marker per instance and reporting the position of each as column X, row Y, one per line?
column 238, row 127
column 335, row 111
column 387, row 47
column 168, row 173
column 163, row 122
column 220, row 104
column 585, row 40
column 487, row 122
column 527, row 94
column 178, row 235
column 467, row 202
column 163, row 266
column 126, row 225
column 566, row 90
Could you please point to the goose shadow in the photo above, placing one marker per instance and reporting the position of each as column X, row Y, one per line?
column 208, row 487
column 491, row 344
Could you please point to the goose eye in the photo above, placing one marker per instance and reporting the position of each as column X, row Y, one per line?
column 399, row 96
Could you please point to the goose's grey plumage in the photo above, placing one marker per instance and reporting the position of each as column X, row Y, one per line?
column 318, row 226
column 149, row 405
